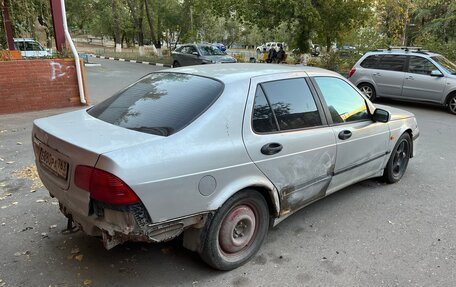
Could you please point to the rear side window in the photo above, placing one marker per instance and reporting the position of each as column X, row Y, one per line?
column 370, row 62
column 392, row 63
column 160, row 103
column 263, row 119
column 289, row 102
column 343, row 101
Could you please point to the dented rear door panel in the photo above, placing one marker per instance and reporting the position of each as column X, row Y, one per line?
column 302, row 170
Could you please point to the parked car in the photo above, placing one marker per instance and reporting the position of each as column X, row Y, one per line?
column 218, row 153
column 197, row 54
column 30, row 48
column 268, row 45
column 407, row 74
column 315, row 50
column 219, row 46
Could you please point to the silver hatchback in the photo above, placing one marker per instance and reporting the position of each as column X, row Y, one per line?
column 199, row 54
column 217, row 152
column 407, row 74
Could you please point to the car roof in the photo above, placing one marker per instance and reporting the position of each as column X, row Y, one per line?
column 24, row 40
column 240, row 71
column 403, row 52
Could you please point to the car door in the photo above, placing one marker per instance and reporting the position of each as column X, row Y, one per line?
column 419, row 84
column 361, row 143
column 184, row 56
column 389, row 75
column 288, row 138
column 191, row 57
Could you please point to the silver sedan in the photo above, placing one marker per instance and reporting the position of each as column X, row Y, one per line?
column 218, row 153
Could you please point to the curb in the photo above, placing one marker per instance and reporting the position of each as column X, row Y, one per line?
column 131, row 61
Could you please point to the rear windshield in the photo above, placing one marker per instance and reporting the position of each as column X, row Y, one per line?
column 160, row 103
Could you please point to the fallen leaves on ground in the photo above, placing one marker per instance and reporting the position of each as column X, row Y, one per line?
column 30, row 172
column 5, row 196
column 76, row 254
column 79, row 257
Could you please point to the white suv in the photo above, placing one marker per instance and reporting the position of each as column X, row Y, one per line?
column 30, row 48
column 268, row 45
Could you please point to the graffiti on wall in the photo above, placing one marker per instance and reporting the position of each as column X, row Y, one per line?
column 58, row 71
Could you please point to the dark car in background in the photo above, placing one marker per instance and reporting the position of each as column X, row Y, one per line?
column 219, row 46
column 197, row 54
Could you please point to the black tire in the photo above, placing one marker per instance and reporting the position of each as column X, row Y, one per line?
column 368, row 90
column 398, row 161
column 451, row 104
column 176, row 64
column 221, row 252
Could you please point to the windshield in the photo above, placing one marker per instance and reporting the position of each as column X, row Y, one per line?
column 160, row 103
column 210, row 51
column 449, row 66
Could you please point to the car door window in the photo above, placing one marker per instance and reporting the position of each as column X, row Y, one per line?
column 33, row 46
column 419, row 65
column 345, row 104
column 20, row 46
column 392, row 63
column 191, row 50
column 289, row 102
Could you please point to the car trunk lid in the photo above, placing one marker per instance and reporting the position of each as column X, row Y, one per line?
column 63, row 142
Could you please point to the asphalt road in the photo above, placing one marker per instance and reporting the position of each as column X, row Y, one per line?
column 369, row 234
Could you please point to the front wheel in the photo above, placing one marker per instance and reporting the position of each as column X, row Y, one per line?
column 176, row 64
column 236, row 232
column 368, row 90
column 452, row 104
column 397, row 164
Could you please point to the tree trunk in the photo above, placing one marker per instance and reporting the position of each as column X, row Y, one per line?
column 150, row 20
column 158, row 44
column 116, row 26
column 328, row 44
column 137, row 13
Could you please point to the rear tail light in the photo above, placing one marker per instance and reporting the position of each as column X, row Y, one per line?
column 352, row 71
column 104, row 186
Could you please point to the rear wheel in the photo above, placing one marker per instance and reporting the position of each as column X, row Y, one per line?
column 452, row 104
column 176, row 64
column 236, row 232
column 368, row 90
column 397, row 164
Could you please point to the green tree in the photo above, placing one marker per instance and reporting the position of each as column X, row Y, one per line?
column 339, row 17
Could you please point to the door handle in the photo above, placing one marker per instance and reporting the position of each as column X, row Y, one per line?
column 376, row 74
column 346, row 134
column 409, row 78
column 271, row 148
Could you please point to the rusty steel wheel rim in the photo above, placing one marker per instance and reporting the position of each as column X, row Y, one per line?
column 238, row 230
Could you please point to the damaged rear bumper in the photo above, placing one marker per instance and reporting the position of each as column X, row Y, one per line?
column 131, row 223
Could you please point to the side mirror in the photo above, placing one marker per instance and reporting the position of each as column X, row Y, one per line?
column 381, row 116
column 436, row 73
column 195, row 53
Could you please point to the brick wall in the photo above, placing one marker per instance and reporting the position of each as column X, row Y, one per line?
column 31, row 85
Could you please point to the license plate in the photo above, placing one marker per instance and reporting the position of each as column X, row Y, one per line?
column 53, row 163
